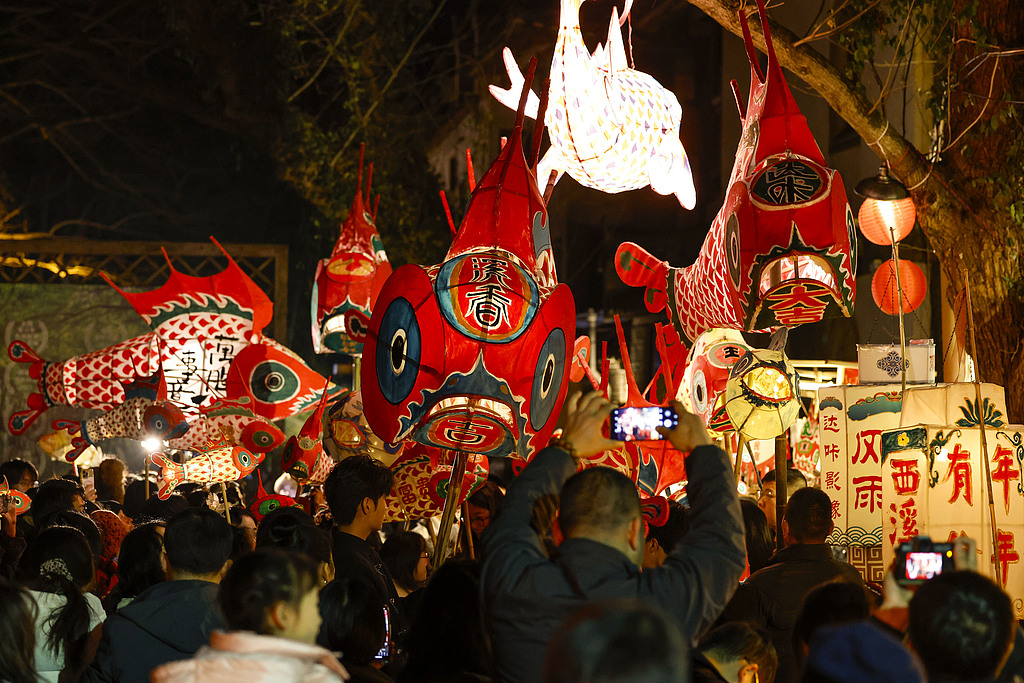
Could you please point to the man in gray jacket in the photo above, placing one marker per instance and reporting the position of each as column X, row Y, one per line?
column 526, row 595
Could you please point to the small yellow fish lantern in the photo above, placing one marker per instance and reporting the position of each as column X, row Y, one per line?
column 761, row 396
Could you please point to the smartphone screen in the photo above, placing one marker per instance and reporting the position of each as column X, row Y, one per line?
column 384, row 654
column 639, row 424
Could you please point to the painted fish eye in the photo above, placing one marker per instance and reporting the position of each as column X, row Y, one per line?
column 274, row 382
column 243, row 459
column 267, row 506
column 699, row 392
column 258, row 438
column 548, row 379
column 398, row 351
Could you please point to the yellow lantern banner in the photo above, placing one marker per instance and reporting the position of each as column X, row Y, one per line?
column 933, row 484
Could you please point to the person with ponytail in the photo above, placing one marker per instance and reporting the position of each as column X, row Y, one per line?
column 60, row 573
column 269, row 599
column 17, row 634
column 292, row 528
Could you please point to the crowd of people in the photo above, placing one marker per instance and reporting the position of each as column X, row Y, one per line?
column 560, row 577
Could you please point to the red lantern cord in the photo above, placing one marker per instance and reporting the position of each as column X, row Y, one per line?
column 884, row 291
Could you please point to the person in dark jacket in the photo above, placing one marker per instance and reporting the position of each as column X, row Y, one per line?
column 173, row 619
column 771, row 597
column 526, row 595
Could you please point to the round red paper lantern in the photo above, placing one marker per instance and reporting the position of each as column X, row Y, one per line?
column 884, row 291
column 876, row 216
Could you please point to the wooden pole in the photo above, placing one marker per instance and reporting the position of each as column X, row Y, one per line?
column 467, row 530
column 451, row 504
column 899, row 295
column 357, row 364
column 781, row 481
column 147, row 475
column 753, row 462
column 224, row 495
column 739, row 454
column 981, row 430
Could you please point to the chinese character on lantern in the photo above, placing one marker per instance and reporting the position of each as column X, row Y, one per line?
column 836, row 514
column 830, row 422
column 868, row 442
column 1007, row 554
column 1004, row 473
column 832, row 451
column 905, row 477
column 904, row 521
column 832, row 481
column 960, row 469
column 868, row 491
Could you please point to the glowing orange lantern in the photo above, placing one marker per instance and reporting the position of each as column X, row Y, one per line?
column 888, row 209
column 885, row 286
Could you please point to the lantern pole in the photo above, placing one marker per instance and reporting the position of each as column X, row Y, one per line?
column 899, row 293
column 357, row 363
column 739, row 454
column 781, row 485
column 451, row 504
column 981, row 430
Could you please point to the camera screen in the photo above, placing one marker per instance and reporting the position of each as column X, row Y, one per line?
column 384, row 654
column 639, row 424
column 923, row 566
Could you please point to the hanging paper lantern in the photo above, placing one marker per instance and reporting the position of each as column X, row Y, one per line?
column 876, row 216
column 884, row 291
column 707, row 370
column 761, row 396
column 782, row 248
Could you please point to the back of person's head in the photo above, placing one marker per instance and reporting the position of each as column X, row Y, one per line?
column 195, row 493
column 135, row 497
column 60, row 561
column 744, row 643
column 961, row 625
column 110, row 479
column 54, row 495
column 353, row 620
column 352, row 481
column 795, row 479
column 597, row 498
column 293, row 528
column 17, row 634
column 671, row 532
column 401, row 553
column 258, row 581
column 836, row 602
column 198, row 542
column 82, row 522
column 760, row 544
column 15, row 469
column 618, row 640
column 163, row 509
column 809, row 516
column 859, row 652
column 448, row 637
column 140, row 566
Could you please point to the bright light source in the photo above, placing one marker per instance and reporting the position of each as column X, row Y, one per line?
column 152, row 445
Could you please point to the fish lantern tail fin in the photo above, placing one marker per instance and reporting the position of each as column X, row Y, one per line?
column 171, row 473
column 638, row 268
column 20, row 421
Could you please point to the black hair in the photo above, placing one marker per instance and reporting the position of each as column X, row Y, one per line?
column 195, row 493
column 447, row 636
column 488, row 497
column 110, row 479
column 795, row 480
column 809, row 515
column 197, row 541
column 82, row 522
column 671, row 532
column 59, row 561
column 832, row 603
column 163, row 509
column 401, row 553
column 740, row 640
column 17, row 634
column 54, row 495
column 14, row 469
column 139, row 565
column 258, row 581
column 292, row 528
column 352, row 481
column 353, row 620
column 617, row 640
column 597, row 497
column 760, row 544
column 961, row 625
column 135, row 497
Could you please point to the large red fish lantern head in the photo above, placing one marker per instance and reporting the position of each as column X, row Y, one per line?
column 781, row 251
column 472, row 354
column 707, row 371
column 347, row 284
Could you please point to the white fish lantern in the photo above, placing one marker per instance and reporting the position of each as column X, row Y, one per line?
column 761, row 396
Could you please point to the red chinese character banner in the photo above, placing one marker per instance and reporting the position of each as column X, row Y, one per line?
column 850, row 424
column 933, row 484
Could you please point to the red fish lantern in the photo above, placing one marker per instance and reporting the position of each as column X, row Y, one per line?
column 707, row 371
column 422, row 478
column 884, row 288
column 221, row 463
column 473, row 354
column 782, row 249
column 234, row 419
column 304, row 456
column 347, row 284
column 16, row 500
column 264, row 503
column 346, row 432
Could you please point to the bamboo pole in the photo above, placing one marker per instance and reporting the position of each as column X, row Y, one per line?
column 467, row 530
column 899, row 295
column 451, row 504
column 981, row 430
column 781, row 488
column 224, row 495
